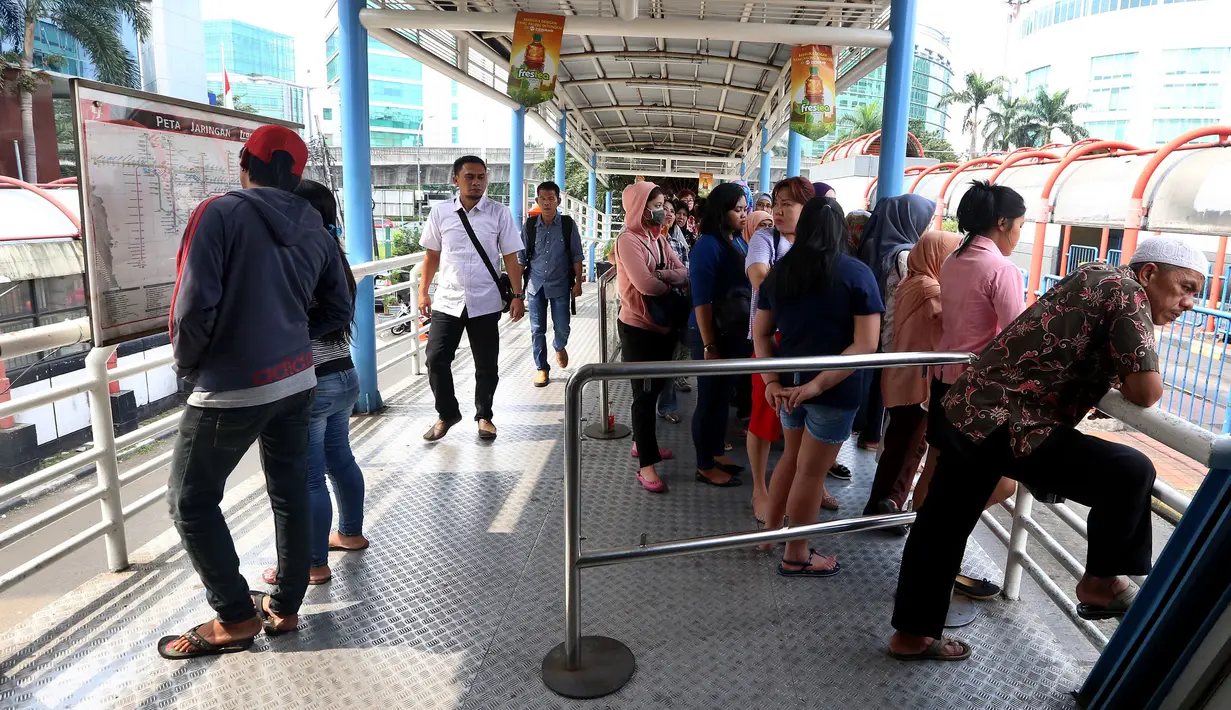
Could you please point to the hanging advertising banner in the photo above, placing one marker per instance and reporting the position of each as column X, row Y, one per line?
column 535, row 59
column 813, row 95
column 705, row 184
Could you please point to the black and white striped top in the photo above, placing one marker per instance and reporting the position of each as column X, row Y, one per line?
column 331, row 356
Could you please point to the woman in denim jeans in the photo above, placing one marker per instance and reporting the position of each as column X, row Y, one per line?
column 337, row 390
column 821, row 302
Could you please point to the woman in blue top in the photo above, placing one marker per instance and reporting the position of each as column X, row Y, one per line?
column 822, row 302
column 720, row 297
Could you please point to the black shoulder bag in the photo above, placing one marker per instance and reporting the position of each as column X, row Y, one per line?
column 732, row 312
column 503, row 284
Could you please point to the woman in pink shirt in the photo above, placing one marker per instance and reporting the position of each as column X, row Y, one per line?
column 647, row 268
column 981, row 293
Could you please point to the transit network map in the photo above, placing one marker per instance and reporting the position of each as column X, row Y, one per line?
column 146, row 165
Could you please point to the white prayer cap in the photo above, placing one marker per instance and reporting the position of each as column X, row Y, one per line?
column 1173, row 251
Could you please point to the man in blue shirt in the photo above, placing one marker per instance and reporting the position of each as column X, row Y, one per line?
column 553, row 274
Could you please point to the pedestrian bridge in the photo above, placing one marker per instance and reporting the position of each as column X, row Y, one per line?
column 461, row 594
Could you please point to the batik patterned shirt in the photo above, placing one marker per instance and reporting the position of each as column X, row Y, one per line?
column 1052, row 364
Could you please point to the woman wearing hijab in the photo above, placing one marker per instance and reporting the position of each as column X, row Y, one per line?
column 905, row 389
column 650, row 278
column 763, row 203
column 824, row 190
column 856, row 221
column 894, row 227
column 721, row 298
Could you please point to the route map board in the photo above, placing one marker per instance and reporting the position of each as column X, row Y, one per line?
column 146, row 162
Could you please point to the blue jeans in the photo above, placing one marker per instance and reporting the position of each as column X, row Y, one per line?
column 828, row 425
column 668, row 399
column 537, row 303
column 329, row 449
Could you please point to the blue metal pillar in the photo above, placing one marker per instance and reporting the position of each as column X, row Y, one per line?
column 357, row 193
column 766, row 181
column 561, row 150
column 794, row 151
column 592, row 194
column 517, row 167
column 898, row 68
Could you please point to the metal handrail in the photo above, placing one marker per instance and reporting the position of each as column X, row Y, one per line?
column 608, row 664
column 605, row 424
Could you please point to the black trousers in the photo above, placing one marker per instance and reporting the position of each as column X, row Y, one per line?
column 641, row 345
column 208, row 447
column 900, row 458
column 442, row 342
column 715, row 394
column 1113, row 479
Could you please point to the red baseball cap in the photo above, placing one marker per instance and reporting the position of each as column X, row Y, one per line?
column 269, row 138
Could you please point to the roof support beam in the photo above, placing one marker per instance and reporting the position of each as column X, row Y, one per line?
column 633, row 82
column 670, row 57
column 652, row 28
column 655, row 108
column 665, row 174
column 662, row 156
column 659, row 129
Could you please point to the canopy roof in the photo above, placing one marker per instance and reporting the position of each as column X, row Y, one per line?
column 677, row 78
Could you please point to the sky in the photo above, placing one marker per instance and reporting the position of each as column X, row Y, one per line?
column 977, row 30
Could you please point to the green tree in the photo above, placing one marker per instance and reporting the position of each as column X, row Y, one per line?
column 95, row 24
column 406, row 240
column 865, row 119
column 1009, row 124
column 934, row 144
column 1051, row 112
column 975, row 95
column 576, row 176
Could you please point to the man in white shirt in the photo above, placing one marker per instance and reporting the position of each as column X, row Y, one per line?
column 467, row 296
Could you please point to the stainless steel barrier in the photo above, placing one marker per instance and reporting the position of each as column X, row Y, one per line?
column 606, row 427
column 594, row 666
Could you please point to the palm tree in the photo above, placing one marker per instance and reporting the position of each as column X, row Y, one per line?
column 95, row 24
column 976, row 94
column 1008, row 125
column 865, row 119
column 1053, row 112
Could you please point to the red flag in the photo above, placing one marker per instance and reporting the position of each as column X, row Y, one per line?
column 226, row 82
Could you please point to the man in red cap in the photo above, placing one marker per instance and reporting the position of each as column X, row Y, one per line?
column 257, row 277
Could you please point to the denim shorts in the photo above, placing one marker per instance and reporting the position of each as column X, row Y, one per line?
column 828, row 425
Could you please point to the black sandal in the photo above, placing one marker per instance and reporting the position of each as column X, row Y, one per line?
column 268, row 623
column 729, row 483
column 200, row 646
column 840, row 472
column 803, row 571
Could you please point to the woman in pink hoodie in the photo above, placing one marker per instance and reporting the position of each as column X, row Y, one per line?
column 647, row 267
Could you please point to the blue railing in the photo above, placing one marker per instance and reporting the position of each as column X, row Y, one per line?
column 1192, row 354
column 1113, row 257
column 1079, row 255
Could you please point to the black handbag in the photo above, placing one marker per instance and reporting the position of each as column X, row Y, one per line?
column 503, row 284
column 671, row 309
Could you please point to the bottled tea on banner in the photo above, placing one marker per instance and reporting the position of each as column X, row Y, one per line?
column 535, row 61
column 813, row 94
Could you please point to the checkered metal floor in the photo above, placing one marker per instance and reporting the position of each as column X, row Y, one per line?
column 459, row 597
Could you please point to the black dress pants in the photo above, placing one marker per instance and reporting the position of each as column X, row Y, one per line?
column 1113, row 479
column 442, row 341
column 900, row 458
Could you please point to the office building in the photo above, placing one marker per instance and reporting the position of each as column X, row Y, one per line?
column 1149, row 69
column 173, row 56
column 411, row 105
column 931, row 79
column 261, row 67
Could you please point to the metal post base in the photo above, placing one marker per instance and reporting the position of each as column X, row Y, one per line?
column 606, row 665
column 962, row 611
column 598, row 431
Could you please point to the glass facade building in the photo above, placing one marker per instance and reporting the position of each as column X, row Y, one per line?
column 260, row 64
column 1143, row 71
column 932, row 77
column 395, row 93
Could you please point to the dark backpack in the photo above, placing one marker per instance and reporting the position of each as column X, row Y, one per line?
column 567, row 226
